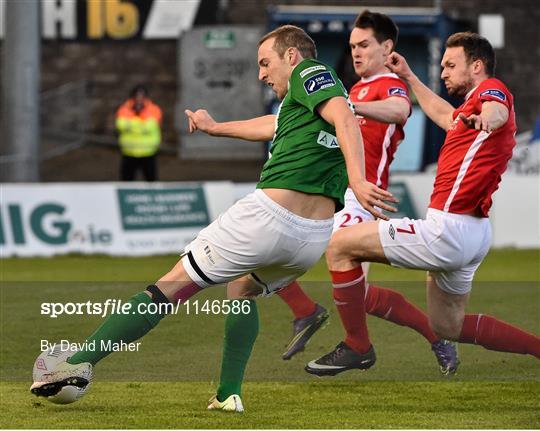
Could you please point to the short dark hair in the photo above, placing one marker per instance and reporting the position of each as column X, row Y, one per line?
column 288, row 36
column 382, row 25
column 139, row 88
column 475, row 47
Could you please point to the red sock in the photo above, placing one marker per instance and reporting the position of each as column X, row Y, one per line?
column 392, row 306
column 349, row 291
column 300, row 304
column 494, row 334
column 186, row 292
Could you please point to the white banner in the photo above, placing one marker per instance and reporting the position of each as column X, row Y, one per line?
column 110, row 218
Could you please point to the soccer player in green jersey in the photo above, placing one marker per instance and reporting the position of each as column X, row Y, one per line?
column 270, row 237
column 382, row 106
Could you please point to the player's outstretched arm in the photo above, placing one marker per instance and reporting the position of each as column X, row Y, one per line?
column 435, row 107
column 336, row 111
column 493, row 116
column 255, row 129
column 394, row 110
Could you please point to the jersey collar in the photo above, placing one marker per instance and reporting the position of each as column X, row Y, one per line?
column 380, row 75
column 470, row 93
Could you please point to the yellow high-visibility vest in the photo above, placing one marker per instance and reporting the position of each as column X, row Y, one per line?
column 139, row 134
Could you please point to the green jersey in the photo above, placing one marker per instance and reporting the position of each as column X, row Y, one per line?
column 305, row 154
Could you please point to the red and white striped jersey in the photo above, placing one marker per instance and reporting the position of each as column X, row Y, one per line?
column 380, row 139
column 471, row 162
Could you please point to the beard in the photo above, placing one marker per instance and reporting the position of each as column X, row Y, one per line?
column 461, row 89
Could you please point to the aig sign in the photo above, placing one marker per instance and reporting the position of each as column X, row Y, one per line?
column 112, row 19
column 48, row 224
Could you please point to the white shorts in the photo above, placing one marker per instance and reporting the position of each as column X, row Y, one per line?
column 352, row 213
column 451, row 246
column 259, row 237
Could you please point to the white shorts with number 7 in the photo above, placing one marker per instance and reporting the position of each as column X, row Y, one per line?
column 451, row 246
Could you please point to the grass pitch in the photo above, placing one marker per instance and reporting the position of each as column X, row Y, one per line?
column 166, row 383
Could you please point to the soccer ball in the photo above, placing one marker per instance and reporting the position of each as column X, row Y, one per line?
column 47, row 362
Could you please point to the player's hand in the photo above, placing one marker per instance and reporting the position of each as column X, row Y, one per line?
column 398, row 65
column 476, row 122
column 371, row 196
column 200, row 120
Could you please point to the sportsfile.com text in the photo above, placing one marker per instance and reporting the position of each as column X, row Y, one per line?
column 117, row 306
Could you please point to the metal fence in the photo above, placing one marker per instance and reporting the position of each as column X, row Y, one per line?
column 64, row 116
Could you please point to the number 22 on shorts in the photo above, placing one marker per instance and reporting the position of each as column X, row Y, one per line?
column 348, row 217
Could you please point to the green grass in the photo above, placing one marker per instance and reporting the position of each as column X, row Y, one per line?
column 499, row 265
column 166, row 384
column 342, row 405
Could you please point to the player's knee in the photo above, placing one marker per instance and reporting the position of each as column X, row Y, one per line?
column 336, row 253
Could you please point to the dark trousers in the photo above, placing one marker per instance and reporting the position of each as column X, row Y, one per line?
column 130, row 165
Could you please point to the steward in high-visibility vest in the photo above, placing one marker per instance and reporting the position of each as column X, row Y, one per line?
column 138, row 122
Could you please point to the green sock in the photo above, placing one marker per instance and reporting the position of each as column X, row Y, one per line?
column 118, row 328
column 241, row 330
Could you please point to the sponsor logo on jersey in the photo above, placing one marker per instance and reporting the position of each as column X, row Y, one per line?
column 311, row 69
column 493, row 92
column 327, row 140
column 319, row 82
column 362, row 93
column 397, row 91
column 392, row 232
